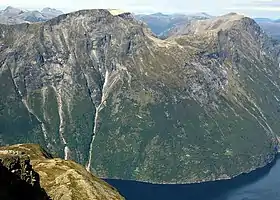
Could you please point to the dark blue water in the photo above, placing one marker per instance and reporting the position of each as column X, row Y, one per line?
column 262, row 184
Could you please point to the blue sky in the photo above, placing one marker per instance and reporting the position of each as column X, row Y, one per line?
column 253, row 8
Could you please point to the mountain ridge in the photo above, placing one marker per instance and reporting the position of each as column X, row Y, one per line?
column 164, row 28
column 11, row 15
column 160, row 23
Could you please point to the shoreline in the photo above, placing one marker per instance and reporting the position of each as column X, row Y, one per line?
column 252, row 170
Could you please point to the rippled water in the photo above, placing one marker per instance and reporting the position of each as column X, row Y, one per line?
column 262, row 184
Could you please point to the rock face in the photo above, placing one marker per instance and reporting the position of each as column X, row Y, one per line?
column 62, row 180
column 102, row 90
column 17, row 178
column 17, row 16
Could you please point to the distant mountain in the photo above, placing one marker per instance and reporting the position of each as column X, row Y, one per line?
column 12, row 15
column 161, row 24
column 51, row 12
column 165, row 25
column 202, row 15
column 10, row 11
column 261, row 20
column 271, row 27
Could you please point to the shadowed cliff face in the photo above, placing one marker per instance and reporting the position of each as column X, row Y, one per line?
column 100, row 89
column 17, row 178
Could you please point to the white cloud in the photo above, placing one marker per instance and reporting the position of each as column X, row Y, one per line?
column 258, row 8
column 258, row 5
column 266, row 3
column 255, row 8
column 35, row 4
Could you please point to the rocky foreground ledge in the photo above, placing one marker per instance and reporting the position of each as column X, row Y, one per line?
column 29, row 172
column 17, row 178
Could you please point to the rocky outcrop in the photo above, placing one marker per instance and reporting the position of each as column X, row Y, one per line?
column 62, row 180
column 100, row 89
column 17, row 178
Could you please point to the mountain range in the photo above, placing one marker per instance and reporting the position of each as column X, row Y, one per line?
column 98, row 87
column 162, row 24
column 12, row 15
column 271, row 27
column 165, row 25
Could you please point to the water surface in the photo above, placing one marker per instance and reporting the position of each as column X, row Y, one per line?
column 262, row 184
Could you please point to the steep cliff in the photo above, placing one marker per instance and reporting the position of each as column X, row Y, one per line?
column 62, row 180
column 102, row 90
column 17, row 178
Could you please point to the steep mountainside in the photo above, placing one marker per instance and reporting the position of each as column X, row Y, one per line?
column 17, row 16
column 100, row 89
column 62, row 180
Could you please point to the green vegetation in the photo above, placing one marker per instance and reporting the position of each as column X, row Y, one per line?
column 191, row 108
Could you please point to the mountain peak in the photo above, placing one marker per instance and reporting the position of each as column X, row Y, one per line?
column 12, row 15
column 202, row 14
column 10, row 8
column 231, row 14
column 216, row 24
column 117, row 11
column 159, row 14
column 51, row 12
column 48, row 9
column 13, row 10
